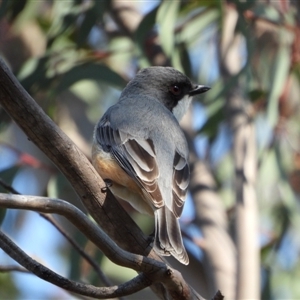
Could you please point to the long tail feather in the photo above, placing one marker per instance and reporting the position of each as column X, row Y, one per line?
column 168, row 238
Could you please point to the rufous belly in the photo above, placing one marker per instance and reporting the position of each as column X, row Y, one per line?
column 123, row 186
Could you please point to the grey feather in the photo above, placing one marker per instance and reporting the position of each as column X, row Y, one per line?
column 142, row 134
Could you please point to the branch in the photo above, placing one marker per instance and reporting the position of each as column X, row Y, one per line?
column 220, row 266
column 77, row 247
column 102, row 206
column 136, row 284
column 85, row 225
column 153, row 270
column 40, row 129
column 244, row 155
column 4, row 269
column 50, row 219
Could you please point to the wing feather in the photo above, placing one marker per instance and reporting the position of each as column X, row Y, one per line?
column 181, row 178
column 136, row 157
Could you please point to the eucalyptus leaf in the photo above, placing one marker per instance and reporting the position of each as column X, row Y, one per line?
column 90, row 18
column 93, row 71
column 280, row 72
column 191, row 31
column 166, row 19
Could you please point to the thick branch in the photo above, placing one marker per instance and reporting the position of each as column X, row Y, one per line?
column 74, row 165
column 103, row 207
column 5, row 269
column 244, row 152
column 211, row 217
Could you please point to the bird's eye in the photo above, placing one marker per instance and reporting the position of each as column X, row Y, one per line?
column 175, row 90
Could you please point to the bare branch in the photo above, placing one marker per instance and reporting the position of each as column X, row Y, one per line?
column 217, row 245
column 4, row 269
column 136, row 284
column 154, row 270
column 8, row 187
column 244, row 152
column 84, row 224
column 244, row 156
column 40, row 129
column 102, row 206
column 50, row 219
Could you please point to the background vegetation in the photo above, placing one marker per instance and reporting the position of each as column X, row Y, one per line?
column 241, row 222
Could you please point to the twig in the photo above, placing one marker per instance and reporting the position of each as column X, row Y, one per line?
column 4, row 269
column 75, row 245
column 8, row 187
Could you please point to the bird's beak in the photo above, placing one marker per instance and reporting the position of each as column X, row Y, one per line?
column 199, row 89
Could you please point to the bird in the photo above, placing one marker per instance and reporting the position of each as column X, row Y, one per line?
column 140, row 148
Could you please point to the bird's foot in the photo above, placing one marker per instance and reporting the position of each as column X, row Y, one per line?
column 108, row 183
column 151, row 237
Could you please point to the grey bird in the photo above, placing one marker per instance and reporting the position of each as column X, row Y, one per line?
column 139, row 146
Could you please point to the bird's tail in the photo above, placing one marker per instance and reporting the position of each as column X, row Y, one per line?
column 168, row 238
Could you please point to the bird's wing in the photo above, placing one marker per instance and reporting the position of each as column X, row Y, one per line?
column 181, row 179
column 136, row 157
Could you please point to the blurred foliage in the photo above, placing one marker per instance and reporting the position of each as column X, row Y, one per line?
column 75, row 56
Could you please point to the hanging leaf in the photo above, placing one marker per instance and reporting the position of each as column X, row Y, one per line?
column 144, row 27
column 90, row 18
column 280, row 72
column 210, row 127
column 185, row 59
column 191, row 31
column 166, row 19
column 91, row 71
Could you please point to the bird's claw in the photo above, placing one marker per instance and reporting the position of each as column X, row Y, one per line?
column 108, row 183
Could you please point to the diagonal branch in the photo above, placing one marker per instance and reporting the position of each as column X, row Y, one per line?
column 4, row 269
column 106, row 281
column 102, row 206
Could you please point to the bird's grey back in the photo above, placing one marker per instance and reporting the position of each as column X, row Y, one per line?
column 144, row 117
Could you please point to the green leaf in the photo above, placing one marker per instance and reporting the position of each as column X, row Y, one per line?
column 210, row 127
column 166, row 19
column 185, row 59
column 190, row 32
column 4, row 4
column 144, row 27
column 36, row 71
column 91, row 16
column 256, row 95
column 11, row 8
column 280, row 72
column 243, row 5
column 141, row 35
column 91, row 71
